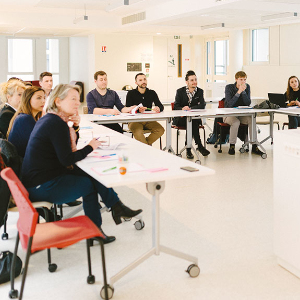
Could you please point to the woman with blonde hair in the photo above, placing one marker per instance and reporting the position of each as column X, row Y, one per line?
column 49, row 171
column 11, row 94
column 22, row 123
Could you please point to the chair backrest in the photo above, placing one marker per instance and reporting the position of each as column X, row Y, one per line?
column 222, row 103
column 85, row 110
column 28, row 216
column 172, row 105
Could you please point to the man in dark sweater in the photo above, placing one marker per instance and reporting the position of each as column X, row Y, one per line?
column 238, row 94
column 102, row 101
column 142, row 95
column 187, row 98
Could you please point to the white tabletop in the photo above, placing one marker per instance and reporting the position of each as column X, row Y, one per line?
column 148, row 157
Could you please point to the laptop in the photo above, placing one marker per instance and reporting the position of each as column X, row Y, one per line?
column 278, row 99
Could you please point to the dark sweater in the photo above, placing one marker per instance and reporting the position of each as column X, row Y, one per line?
column 49, row 152
column 134, row 97
column 182, row 100
column 20, row 132
column 232, row 99
column 6, row 114
column 293, row 96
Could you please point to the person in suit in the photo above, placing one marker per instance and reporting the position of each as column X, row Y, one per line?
column 49, row 170
column 23, row 121
column 190, row 97
column 11, row 94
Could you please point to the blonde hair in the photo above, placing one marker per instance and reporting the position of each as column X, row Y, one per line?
column 9, row 88
column 61, row 92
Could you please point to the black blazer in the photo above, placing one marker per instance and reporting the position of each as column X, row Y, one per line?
column 181, row 100
column 6, row 114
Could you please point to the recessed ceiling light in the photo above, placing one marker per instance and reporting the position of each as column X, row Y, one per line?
column 212, row 26
column 279, row 16
column 158, row 33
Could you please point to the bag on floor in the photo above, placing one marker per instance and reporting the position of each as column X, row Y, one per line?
column 6, row 258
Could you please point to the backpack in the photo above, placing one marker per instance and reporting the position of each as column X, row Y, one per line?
column 6, row 258
column 266, row 105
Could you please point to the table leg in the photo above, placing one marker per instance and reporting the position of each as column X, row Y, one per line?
column 169, row 136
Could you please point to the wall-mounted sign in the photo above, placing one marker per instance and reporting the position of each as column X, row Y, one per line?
column 103, row 48
column 176, row 37
column 147, row 65
column 147, row 70
column 134, row 67
column 171, row 61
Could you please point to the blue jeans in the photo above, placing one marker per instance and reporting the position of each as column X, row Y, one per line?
column 294, row 122
column 71, row 186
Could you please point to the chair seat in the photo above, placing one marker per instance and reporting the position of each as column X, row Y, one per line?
column 64, row 233
column 34, row 204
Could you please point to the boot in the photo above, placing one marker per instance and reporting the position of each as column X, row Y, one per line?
column 189, row 154
column 119, row 210
column 203, row 150
column 255, row 150
column 106, row 240
column 231, row 150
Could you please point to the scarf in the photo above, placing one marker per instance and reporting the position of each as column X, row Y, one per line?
column 73, row 135
column 190, row 95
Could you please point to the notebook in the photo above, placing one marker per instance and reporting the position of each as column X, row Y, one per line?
column 277, row 99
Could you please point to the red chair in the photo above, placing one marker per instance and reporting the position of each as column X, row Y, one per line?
column 224, row 128
column 184, row 128
column 36, row 237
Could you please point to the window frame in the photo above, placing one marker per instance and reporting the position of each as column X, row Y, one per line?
column 251, row 62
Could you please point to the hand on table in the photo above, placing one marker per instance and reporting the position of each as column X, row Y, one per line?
column 94, row 143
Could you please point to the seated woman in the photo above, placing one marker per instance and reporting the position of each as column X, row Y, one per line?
column 10, row 93
column 292, row 95
column 49, row 171
column 22, row 123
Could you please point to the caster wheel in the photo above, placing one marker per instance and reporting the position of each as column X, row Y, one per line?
column 242, row 150
column 179, row 155
column 264, row 155
column 110, row 292
column 5, row 236
column 258, row 130
column 219, row 151
column 169, row 151
column 126, row 219
column 90, row 279
column 247, row 150
column 198, row 162
column 13, row 294
column 139, row 225
column 215, row 146
column 52, row 268
column 271, row 143
column 193, row 270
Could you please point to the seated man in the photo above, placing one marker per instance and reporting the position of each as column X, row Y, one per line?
column 146, row 97
column 46, row 83
column 188, row 97
column 101, row 101
column 238, row 94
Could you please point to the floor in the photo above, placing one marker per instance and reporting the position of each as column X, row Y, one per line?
column 226, row 220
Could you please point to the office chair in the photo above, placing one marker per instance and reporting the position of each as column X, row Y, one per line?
column 178, row 128
column 59, row 234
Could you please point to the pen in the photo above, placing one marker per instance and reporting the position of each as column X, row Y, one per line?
column 108, row 155
column 113, row 168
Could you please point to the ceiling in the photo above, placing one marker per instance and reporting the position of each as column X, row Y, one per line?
column 167, row 17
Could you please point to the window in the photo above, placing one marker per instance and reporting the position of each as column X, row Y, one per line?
column 208, row 50
column 221, row 57
column 20, row 58
column 260, row 45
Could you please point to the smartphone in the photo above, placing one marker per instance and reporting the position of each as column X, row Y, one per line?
column 189, row 169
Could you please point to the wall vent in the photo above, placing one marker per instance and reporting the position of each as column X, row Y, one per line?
column 134, row 18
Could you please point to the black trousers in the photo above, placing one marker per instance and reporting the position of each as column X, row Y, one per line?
column 195, row 128
column 114, row 126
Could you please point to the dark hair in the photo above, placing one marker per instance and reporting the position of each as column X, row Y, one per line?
column 240, row 74
column 42, row 75
column 99, row 73
column 25, row 106
column 290, row 91
column 188, row 74
column 138, row 74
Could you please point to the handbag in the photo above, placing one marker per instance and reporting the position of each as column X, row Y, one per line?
column 6, row 258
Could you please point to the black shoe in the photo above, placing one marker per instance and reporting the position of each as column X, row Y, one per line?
column 73, row 203
column 119, row 210
column 203, row 150
column 107, row 239
column 189, row 154
column 255, row 150
column 231, row 150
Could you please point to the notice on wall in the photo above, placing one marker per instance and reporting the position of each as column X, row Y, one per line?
column 134, row 67
column 103, row 48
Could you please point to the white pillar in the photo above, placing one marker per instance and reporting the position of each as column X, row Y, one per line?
column 235, row 52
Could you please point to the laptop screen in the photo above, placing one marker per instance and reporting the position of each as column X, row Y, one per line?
column 278, row 99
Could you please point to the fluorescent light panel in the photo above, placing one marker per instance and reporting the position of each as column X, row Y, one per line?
column 212, row 26
column 80, row 19
column 279, row 16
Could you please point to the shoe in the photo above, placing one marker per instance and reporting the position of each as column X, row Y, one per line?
column 255, row 150
column 203, row 150
column 231, row 150
column 119, row 210
column 107, row 239
column 74, row 203
column 189, row 154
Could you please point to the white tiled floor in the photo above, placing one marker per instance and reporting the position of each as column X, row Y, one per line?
column 225, row 220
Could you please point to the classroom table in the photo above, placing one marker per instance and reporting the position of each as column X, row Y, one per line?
column 159, row 167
